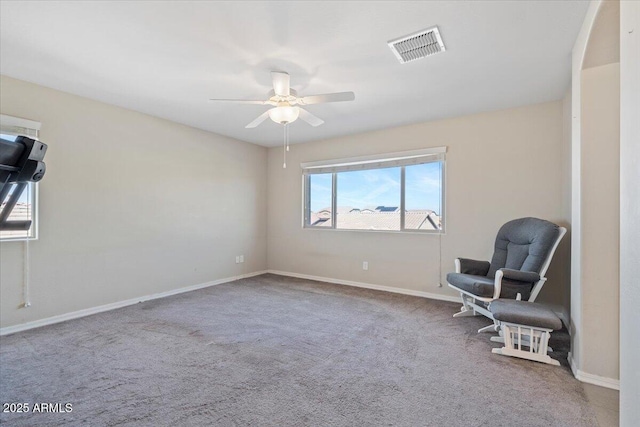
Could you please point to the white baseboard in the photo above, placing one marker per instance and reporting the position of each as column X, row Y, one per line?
column 368, row 286
column 588, row 378
column 101, row 308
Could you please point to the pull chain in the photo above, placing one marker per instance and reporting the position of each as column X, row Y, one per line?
column 284, row 148
column 285, row 145
column 286, row 129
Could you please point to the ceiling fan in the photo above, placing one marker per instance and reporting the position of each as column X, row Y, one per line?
column 286, row 103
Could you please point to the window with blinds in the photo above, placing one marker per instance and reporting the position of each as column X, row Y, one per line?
column 26, row 208
column 392, row 192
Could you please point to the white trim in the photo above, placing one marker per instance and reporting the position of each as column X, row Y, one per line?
column 629, row 209
column 107, row 307
column 33, row 231
column 391, row 289
column 19, row 122
column 386, row 157
column 577, row 58
column 592, row 378
column 366, row 230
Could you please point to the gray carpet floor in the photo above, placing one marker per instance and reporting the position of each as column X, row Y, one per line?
column 275, row 351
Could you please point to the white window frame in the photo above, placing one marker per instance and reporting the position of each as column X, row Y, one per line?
column 16, row 126
column 379, row 161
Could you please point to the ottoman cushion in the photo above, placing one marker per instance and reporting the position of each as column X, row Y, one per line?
column 524, row 313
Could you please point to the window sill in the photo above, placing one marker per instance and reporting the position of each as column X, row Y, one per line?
column 422, row 232
column 18, row 239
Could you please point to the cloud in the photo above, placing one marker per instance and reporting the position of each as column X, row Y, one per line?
column 320, row 188
column 371, row 194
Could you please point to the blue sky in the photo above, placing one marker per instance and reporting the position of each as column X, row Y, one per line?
column 378, row 187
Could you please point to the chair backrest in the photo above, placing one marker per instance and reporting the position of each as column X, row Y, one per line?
column 524, row 244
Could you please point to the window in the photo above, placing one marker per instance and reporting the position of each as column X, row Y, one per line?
column 320, row 191
column 394, row 192
column 369, row 199
column 26, row 208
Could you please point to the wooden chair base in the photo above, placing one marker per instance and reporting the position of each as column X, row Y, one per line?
column 517, row 337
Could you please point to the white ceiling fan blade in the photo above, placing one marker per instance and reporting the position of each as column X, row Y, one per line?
column 327, row 97
column 240, row 101
column 261, row 118
column 310, row 118
column 280, row 83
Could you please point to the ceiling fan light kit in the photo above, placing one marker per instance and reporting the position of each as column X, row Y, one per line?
column 284, row 114
column 286, row 104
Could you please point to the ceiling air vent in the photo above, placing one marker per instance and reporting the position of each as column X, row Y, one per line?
column 417, row 45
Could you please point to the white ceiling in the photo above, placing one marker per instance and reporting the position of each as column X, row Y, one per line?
column 167, row 58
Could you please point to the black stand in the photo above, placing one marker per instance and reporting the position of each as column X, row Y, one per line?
column 20, row 163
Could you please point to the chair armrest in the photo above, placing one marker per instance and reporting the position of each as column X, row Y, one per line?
column 472, row 266
column 524, row 277
column 520, row 276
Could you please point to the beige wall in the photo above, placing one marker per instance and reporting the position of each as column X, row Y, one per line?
column 131, row 205
column 500, row 166
column 600, row 208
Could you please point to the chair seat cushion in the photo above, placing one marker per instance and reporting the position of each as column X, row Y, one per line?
column 525, row 313
column 481, row 286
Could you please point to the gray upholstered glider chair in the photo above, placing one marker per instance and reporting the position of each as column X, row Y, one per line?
column 523, row 251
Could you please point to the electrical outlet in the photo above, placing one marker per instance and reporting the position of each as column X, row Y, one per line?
column 365, row 265
column 241, row 258
column 237, row 260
